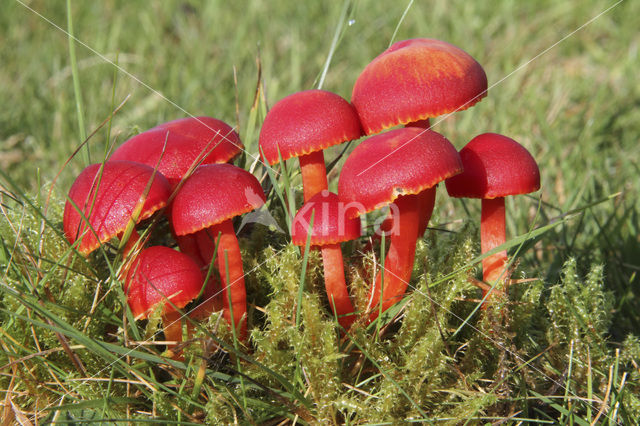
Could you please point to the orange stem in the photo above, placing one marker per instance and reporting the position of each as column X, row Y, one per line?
column 492, row 235
column 336, row 285
column 234, row 295
column 426, row 201
column 314, row 174
column 399, row 259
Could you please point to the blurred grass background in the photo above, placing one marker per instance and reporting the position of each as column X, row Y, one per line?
column 574, row 104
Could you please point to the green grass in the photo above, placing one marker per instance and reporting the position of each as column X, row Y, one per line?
column 566, row 351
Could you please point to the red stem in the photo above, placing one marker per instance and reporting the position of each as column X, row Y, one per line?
column 492, row 235
column 399, row 260
column 314, row 174
column 426, row 201
column 234, row 295
column 189, row 245
column 336, row 285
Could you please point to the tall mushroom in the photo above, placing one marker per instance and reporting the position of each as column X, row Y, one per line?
column 331, row 226
column 208, row 201
column 163, row 279
column 303, row 125
column 396, row 167
column 105, row 198
column 495, row 166
column 412, row 81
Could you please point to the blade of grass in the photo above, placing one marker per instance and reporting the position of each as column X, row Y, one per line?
column 76, row 85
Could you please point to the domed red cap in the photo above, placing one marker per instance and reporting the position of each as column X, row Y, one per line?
column 187, row 141
column 109, row 200
column 494, row 166
column 398, row 162
column 331, row 223
column 416, row 79
column 213, row 194
column 306, row 122
column 159, row 275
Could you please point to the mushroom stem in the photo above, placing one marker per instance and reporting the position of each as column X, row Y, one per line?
column 172, row 328
column 336, row 285
column 234, row 296
column 399, row 259
column 314, row 174
column 189, row 245
column 492, row 235
column 426, row 201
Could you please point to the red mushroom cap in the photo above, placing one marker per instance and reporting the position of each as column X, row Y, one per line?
column 213, row 194
column 175, row 146
column 306, row 122
column 416, row 79
column 109, row 201
column 159, row 275
column 398, row 162
column 331, row 224
column 494, row 166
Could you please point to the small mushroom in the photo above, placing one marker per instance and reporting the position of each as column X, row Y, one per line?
column 104, row 199
column 396, row 167
column 163, row 279
column 179, row 145
column 208, row 201
column 495, row 166
column 303, row 125
column 331, row 226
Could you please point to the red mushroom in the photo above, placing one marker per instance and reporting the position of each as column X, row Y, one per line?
column 331, row 226
column 303, row 125
column 412, row 81
column 396, row 167
column 163, row 279
column 494, row 166
column 179, row 145
column 208, row 200
column 104, row 199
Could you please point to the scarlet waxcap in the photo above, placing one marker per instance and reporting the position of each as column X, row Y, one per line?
column 160, row 276
column 213, row 194
column 109, row 200
column 305, row 122
column 175, row 146
column 494, row 166
column 416, row 79
column 224, row 142
column 331, row 223
column 398, row 162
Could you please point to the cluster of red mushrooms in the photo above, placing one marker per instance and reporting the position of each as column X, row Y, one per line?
column 183, row 169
